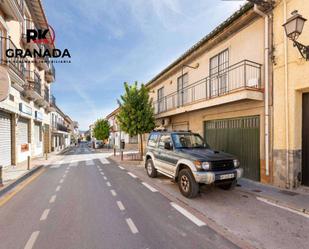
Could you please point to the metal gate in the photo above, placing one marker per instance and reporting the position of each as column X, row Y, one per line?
column 5, row 139
column 305, row 140
column 240, row 137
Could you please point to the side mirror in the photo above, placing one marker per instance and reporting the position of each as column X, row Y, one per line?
column 168, row 146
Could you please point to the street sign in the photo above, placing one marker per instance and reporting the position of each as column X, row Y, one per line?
column 4, row 83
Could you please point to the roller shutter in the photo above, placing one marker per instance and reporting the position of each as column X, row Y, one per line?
column 22, row 132
column 5, row 139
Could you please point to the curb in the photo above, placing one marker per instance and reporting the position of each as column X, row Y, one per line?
column 19, row 180
column 275, row 201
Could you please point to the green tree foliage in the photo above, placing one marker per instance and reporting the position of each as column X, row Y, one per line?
column 101, row 129
column 136, row 114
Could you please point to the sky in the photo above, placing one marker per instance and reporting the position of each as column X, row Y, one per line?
column 117, row 41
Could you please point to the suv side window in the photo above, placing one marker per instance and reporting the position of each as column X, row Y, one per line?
column 153, row 138
column 163, row 139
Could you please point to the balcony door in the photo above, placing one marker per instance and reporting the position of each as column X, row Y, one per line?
column 182, row 90
column 218, row 74
column 160, row 95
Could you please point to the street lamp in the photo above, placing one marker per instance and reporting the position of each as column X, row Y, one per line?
column 293, row 29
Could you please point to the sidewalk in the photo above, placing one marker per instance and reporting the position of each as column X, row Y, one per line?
column 297, row 200
column 12, row 173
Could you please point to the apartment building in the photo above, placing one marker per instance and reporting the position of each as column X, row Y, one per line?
column 218, row 89
column 116, row 135
column 63, row 128
column 25, row 113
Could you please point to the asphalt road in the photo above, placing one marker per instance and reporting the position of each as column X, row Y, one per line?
column 88, row 202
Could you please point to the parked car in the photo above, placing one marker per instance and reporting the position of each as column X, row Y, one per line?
column 186, row 158
column 98, row 144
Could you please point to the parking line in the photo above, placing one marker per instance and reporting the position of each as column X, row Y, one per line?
column 113, row 192
column 108, row 184
column 58, row 188
column 121, row 167
column 132, row 226
column 45, row 214
column 152, row 189
column 120, row 205
column 187, row 214
column 61, row 181
column 131, row 174
column 105, row 178
column 102, row 173
column 32, row 239
column 52, row 199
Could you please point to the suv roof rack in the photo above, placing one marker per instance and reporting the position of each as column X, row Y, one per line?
column 182, row 131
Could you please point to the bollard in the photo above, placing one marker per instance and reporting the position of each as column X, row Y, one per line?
column 46, row 156
column 114, row 151
column 1, row 181
column 121, row 155
column 28, row 163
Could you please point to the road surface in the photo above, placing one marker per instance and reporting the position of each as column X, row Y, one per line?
column 86, row 201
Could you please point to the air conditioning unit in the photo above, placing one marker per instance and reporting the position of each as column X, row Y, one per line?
column 165, row 122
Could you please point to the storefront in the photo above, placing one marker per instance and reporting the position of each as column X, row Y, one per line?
column 5, row 139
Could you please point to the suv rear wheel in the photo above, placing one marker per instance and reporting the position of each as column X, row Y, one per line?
column 151, row 171
column 187, row 184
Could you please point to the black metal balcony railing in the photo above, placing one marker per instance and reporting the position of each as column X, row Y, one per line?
column 20, row 5
column 34, row 81
column 15, row 64
column 51, row 68
column 62, row 127
column 242, row 75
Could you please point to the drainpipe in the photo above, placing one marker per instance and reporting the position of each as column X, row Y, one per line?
column 286, row 84
column 266, row 73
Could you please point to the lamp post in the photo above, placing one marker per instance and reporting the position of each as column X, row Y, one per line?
column 293, row 29
column 182, row 67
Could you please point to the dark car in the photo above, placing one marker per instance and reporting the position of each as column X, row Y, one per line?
column 185, row 157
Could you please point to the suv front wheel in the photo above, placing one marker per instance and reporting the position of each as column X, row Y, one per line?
column 187, row 184
column 151, row 171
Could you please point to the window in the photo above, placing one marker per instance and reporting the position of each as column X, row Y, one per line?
column 218, row 73
column 182, row 83
column 160, row 99
column 152, row 141
column 164, row 139
column 188, row 140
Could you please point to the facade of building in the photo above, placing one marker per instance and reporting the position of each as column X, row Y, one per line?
column 116, row 135
column 63, row 128
column 291, row 100
column 25, row 113
column 244, row 87
column 217, row 89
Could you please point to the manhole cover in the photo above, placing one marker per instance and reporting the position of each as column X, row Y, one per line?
column 288, row 192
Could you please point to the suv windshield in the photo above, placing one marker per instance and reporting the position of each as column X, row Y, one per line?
column 188, row 140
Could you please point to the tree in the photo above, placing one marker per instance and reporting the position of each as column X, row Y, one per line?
column 136, row 114
column 101, row 129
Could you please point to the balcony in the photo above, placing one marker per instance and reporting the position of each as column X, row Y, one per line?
column 237, row 82
column 13, row 9
column 16, row 65
column 62, row 127
column 33, row 87
column 41, row 63
column 28, row 24
column 50, row 74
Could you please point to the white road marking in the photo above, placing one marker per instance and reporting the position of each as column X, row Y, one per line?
column 52, row 199
column 113, row 192
column 105, row 178
column 45, row 214
column 108, row 184
column 64, row 176
column 102, row 173
column 100, row 169
column 120, row 205
column 121, row 167
column 32, row 239
column 282, row 207
column 149, row 187
column 61, row 181
column 131, row 174
column 104, row 161
column 55, row 166
column 131, row 225
column 187, row 214
column 58, row 188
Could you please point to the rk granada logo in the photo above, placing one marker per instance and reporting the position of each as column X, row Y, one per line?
column 40, row 36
